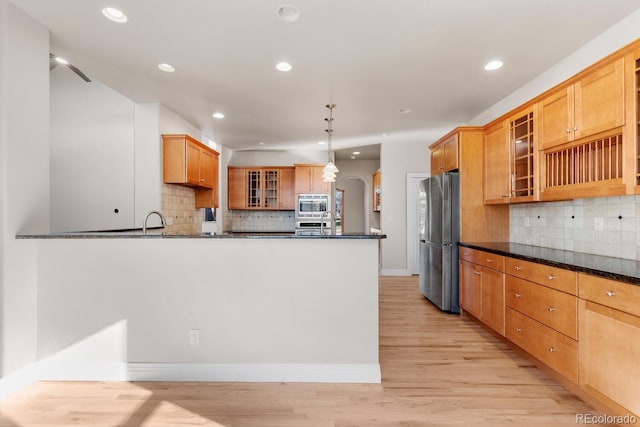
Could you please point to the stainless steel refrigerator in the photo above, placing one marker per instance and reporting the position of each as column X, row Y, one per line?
column 439, row 236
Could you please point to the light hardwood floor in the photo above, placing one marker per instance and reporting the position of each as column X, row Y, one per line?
column 437, row 370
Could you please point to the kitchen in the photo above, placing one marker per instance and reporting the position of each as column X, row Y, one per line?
column 17, row 255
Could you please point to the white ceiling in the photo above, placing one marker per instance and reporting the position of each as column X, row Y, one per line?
column 370, row 57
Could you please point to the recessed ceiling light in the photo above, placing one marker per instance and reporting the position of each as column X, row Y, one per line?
column 61, row 61
column 353, row 157
column 321, row 142
column 167, row 68
column 284, row 66
column 114, row 14
column 355, row 153
column 260, row 143
column 218, row 115
column 386, row 134
column 405, row 110
column 493, row 65
column 288, row 12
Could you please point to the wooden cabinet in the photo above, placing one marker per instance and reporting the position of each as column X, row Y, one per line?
column 376, row 190
column 510, row 159
column 482, row 287
column 188, row 162
column 496, row 164
column 308, row 180
column 265, row 188
column 444, row 155
column 609, row 340
column 591, row 105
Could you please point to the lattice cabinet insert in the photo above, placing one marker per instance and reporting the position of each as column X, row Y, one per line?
column 521, row 140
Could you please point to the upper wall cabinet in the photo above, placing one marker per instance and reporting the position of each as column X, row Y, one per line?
column 308, row 179
column 376, row 188
column 496, row 164
column 593, row 104
column 260, row 188
column 187, row 161
column 444, row 155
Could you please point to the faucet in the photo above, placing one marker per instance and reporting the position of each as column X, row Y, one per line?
column 162, row 220
column 333, row 218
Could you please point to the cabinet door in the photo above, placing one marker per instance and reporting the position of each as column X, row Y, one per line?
column 556, row 118
column 599, row 100
column 450, row 157
column 237, row 188
column 496, row 165
column 302, row 179
column 287, row 189
column 437, row 159
column 317, row 184
column 609, row 345
column 216, row 180
column 521, row 147
column 207, row 161
column 193, row 163
column 376, row 196
column 492, row 290
column 271, row 189
column 254, row 188
column 470, row 288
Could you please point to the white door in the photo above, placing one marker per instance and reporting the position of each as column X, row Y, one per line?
column 413, row 219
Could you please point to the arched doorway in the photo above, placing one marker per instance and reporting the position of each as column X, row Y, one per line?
column 355, row 200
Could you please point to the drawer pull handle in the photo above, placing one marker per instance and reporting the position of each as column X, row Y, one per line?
column 611, row 294
column 476, row 272
column 518, row 329
column 518, row 295
column 551, row 349
column 489, row 260
column 551, row 309
column 551, row 277
column 518, row 268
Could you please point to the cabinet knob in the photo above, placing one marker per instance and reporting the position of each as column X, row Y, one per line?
column 488, row 260
column 506, row 195
column 575, row 129
column 518, row 295
column 202, row 180
column 518, row 329
column 568, row 130
column 552, row 349
column 518, row 268
column 551, row 277
column 441, row 167
column 611, row 294
column 551, row 309
column 476, row 272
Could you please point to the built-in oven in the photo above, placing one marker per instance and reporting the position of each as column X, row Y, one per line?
column 311, row 206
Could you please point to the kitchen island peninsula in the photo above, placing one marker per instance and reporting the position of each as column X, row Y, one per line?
column 208, row 307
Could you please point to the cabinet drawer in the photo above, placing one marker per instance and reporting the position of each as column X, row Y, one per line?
column 621, row 296
column 555, row 309
column 553, row 277
column 493, row 261
column 554, row 349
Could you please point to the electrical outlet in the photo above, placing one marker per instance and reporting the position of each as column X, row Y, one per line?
column 194, row 337
column 598, row 223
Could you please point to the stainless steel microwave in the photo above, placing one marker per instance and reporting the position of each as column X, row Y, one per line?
column 312, row 205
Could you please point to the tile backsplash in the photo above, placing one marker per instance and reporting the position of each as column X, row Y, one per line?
column 607, row 226
column 179, row 209
column 262, row 221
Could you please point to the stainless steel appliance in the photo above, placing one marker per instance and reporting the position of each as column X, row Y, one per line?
column 311, row 206
column 439, row 236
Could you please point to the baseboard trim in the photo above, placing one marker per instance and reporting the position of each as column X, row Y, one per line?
column 255, row 372
column 214, row 372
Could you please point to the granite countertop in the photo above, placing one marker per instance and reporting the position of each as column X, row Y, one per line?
column 155, row 234
column 623, row 270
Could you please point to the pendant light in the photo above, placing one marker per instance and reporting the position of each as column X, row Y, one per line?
column 330, row 170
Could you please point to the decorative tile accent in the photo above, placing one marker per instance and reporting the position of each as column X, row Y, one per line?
column 608, row 226
column 179, row 209
column 262, row 221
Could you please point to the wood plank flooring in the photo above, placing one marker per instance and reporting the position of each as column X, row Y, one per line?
column 437, row 370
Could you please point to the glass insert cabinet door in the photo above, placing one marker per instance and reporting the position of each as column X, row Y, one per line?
column 254, row 188
column 521, row 141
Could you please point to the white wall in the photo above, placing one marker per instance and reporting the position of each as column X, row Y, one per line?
column 364, row 170
column 276, row 158
column 92, row 155
column 147, row 164
column 271, row 313
column 24, row 108
column 396, row 160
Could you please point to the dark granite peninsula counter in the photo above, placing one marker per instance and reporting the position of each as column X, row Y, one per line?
column 623, row 270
